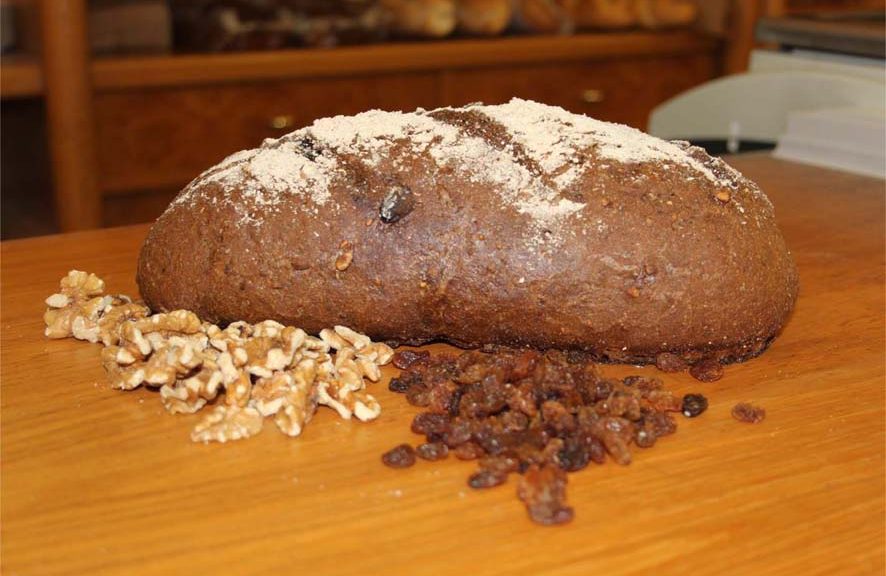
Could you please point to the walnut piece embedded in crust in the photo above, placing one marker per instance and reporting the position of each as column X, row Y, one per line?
column 249, row 371
column 345, row 256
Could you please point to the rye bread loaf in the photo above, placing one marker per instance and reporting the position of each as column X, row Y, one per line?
column 517, row 224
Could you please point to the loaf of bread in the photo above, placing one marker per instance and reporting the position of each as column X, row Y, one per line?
column 544, row 16
column 665, row 13
column 483, row 17
column 422, row 18
column 605, row 14
column 517, row 224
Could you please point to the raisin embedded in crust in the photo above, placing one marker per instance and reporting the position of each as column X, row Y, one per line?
column 308, row 146
column 396, row 204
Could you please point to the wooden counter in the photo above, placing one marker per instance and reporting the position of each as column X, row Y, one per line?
column 96, row 481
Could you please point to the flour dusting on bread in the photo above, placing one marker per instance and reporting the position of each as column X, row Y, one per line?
column 560, row 146
column 372, row 136
column 552, row 136
column 269, row 174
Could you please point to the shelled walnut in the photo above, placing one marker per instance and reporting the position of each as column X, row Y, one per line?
column 246, row 371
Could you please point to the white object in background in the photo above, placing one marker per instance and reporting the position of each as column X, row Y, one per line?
column 763, row 61
column 733, row 142
column 849, row 139
column 758, row 104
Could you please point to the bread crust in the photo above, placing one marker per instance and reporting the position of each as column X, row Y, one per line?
column 678, row 255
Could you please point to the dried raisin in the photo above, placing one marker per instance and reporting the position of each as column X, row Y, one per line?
column 430, row 423
column 405, row 359
column 709, row 370
column 432, row 451
column 468, row 451
column 396, row 204
column 694, row 405
column 402, row 456
column 668, row 362
column 744, row 412
column 487, row 479
column 543, row 491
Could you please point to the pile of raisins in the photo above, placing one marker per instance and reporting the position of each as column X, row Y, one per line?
column 540, row 415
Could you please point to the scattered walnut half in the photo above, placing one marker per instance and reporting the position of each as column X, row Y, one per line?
column 247, row 371
column 77, row 307
column 228, row 423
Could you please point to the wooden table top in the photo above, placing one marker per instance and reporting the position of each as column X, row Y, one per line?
column 97, row 481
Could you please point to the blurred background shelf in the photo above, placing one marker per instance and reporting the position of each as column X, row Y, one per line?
column 20, row 77
column 110, row 73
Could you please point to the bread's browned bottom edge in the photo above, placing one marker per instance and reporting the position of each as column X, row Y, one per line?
column 741, row 352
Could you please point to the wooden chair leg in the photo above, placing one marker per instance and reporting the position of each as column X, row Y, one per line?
column 69, row 112
column 740, row 39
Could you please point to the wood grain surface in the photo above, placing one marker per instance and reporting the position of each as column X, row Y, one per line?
column 97, row 481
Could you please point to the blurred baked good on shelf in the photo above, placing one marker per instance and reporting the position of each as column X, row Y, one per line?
column 616, row 14
column 665, row 13
column 483, row 17
column 422, row 18
column 544, row 16
column 605, row 14
column 228, row 25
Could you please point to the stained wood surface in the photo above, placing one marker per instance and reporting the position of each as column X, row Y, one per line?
column 97, row 481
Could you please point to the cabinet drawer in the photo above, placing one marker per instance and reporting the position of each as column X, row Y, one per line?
column 162, row 138
column 621, row 90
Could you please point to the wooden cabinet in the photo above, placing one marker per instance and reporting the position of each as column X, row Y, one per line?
column 159, row 138
column 621, row 90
